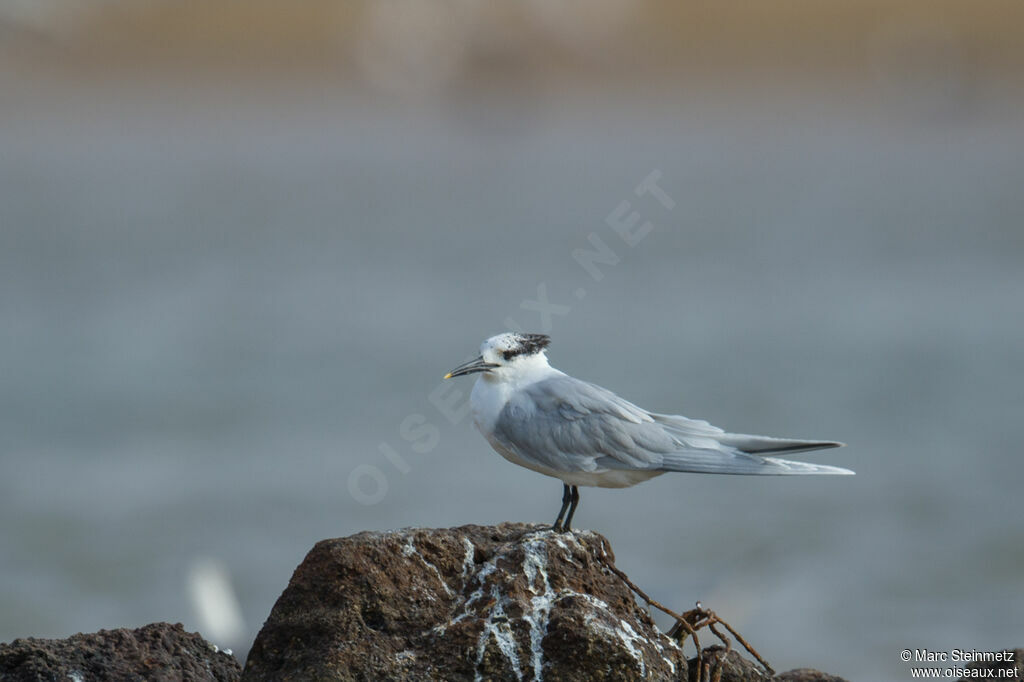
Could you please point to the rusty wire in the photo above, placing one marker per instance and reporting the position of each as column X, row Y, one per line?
column 691, row 621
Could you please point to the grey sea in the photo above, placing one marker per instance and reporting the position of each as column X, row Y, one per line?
column 224, row 327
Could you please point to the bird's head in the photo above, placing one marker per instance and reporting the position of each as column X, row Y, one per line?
column 505, row 353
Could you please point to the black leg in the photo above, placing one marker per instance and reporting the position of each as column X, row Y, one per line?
column 575, row 499
column 557, row 527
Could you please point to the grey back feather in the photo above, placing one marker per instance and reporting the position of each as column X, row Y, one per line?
column 569, row 425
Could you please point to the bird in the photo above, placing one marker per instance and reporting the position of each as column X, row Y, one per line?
column 584, row 435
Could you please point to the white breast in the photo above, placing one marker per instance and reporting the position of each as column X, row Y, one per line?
column 487, row 401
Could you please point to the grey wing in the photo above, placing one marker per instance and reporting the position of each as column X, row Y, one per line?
column 570, row 425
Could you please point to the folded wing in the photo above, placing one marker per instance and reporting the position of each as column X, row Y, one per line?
column 569, row 425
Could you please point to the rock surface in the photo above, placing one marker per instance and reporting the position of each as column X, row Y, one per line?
column 1012, row 670
column 807, row 675
column 509, row 602
column 735, row 668
column 157, row 652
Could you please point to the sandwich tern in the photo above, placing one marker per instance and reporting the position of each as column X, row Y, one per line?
column 540, row 418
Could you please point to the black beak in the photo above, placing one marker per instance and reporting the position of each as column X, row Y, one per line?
column 477, row 364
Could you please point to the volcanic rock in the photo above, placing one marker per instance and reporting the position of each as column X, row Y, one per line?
column 510, row 602
column 157, row 652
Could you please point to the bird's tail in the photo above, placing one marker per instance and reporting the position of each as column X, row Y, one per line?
column 766, row 445
column 741, row 463
column 708, row 449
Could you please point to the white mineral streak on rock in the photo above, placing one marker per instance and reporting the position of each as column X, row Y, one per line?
column 493, row 610
column 625, row 634
column 629, row 637
column 568, row 553
column 589, row 598
column 625, row 631
column 535, row 564
column 479, row 578
column 662, row 637
column 410, row 548
column 467, row 562
column 497, row 626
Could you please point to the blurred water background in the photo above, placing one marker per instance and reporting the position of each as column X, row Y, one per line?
column 240, row 243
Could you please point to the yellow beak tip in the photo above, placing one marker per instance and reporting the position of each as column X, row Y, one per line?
column 448, row 375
